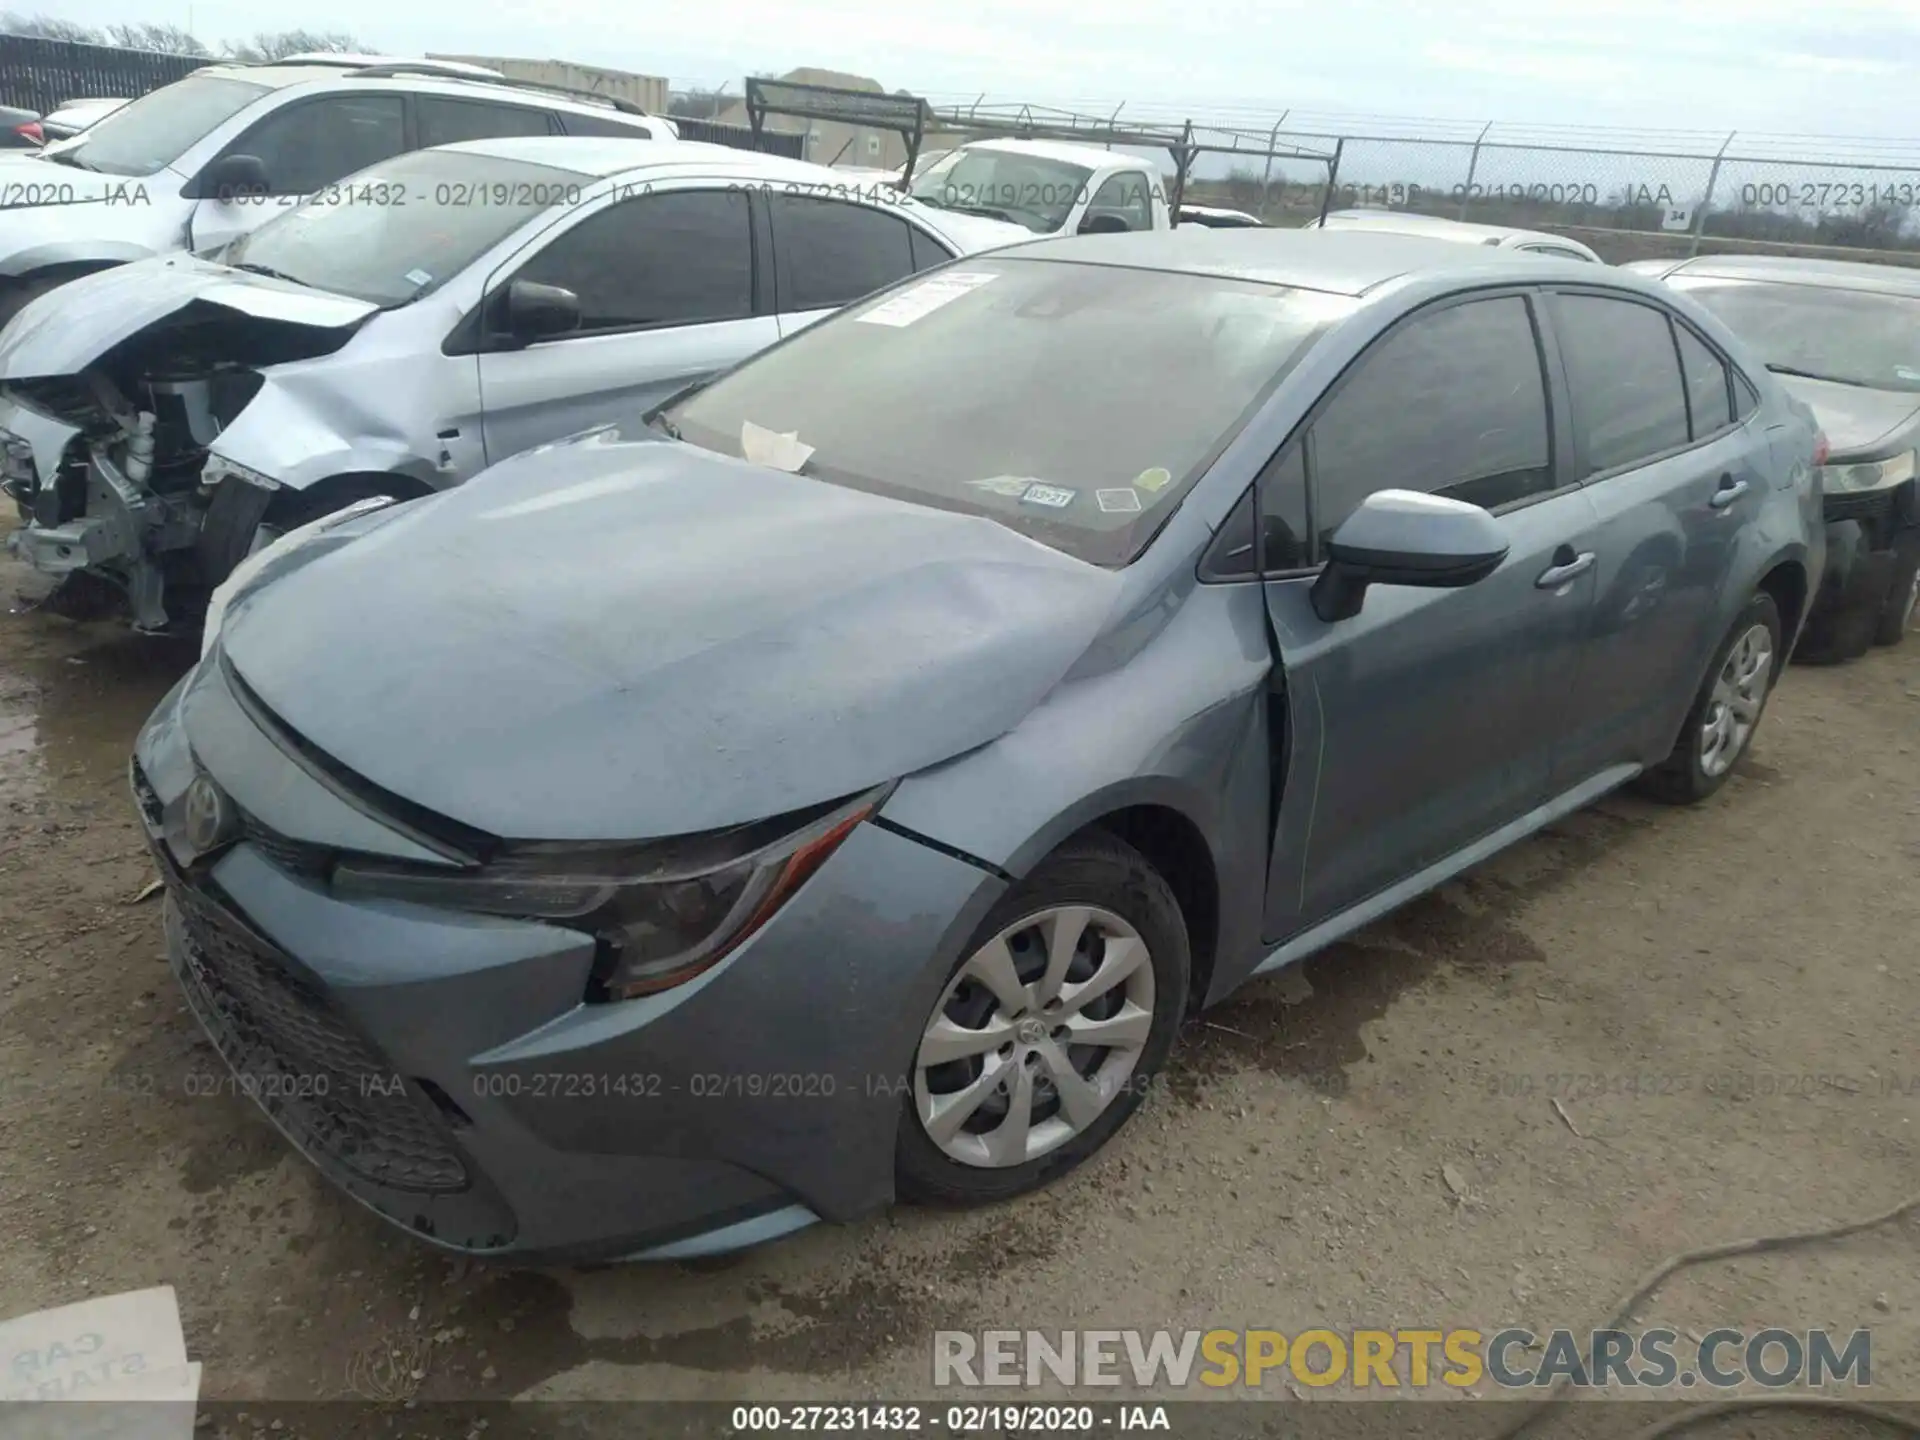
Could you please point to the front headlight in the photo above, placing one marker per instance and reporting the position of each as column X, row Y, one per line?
column 1875, row 475
column 273, row 550
column 662, row 912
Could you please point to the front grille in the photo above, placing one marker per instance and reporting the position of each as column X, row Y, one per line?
column 326, row 1085
column 144, row 796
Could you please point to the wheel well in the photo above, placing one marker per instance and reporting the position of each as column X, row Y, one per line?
column 291, row 506
column 1174, row 846
column 1787, row 584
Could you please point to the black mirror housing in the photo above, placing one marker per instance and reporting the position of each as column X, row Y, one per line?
column 1404, row 537
column 233, row 176
column 533, row 311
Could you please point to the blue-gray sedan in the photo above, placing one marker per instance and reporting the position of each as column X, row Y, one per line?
column 839, row 785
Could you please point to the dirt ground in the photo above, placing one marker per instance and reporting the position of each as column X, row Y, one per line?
column 1642, row 1031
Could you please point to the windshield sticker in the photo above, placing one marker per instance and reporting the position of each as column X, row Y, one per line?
column 923, row 299
column 417, row 278
column 1012, row 486
column 1154, row 480
column 776, row 451
column 1118, row 502
column 1054, row 497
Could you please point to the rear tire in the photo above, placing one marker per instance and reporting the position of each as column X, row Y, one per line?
column 1902, row 607
column 1097, row 901
column 1725, row 714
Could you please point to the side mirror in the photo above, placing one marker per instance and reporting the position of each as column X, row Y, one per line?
column 1107, row 224
column 533, row 311
column 1402, row 537
column 235, row 175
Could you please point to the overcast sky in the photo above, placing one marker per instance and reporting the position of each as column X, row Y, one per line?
column 1844, row 67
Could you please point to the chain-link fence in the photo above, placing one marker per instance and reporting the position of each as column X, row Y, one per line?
column 1628, row 194
column 1627, row 204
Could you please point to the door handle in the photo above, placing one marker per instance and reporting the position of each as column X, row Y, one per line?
column 1730, row 490
column 1556, row 576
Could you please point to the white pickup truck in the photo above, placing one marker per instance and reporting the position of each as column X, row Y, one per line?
column 1051, row 187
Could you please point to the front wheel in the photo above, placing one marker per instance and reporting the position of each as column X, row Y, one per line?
column 1901, row 609
column 1049, row 1032
column 1726, row 712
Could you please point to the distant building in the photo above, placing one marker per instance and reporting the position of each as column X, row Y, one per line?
column 649, row 92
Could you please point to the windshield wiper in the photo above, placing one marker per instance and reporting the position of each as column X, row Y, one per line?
column 67, row 157
column 988, row 211
column 1815, row 375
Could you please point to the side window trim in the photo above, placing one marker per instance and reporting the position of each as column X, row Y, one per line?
column 509, row 271
column 1734, row 378
column 1658, row 456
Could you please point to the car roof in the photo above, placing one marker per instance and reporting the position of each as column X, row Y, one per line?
column 1089, row 155
column 1405, row 223
column 1804, row 270
column 1340, row 262
column 435, row 77
column 602, row 156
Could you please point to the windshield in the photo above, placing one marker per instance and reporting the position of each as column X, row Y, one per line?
column 152, row 132
column 1032, row 192
column 404, row 227
column 1073, row 403
column 1857, row 337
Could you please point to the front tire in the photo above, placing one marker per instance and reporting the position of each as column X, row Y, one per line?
column 1726, row 712
column 1049, row 1032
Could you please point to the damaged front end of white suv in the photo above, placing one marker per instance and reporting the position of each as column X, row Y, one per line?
column 112, row 392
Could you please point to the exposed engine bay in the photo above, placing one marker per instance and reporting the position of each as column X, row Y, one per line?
column 130, row 498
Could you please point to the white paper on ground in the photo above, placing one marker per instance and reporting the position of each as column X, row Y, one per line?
column 773, row 449
column 83, row 1349
column 928, row 296
column 162, row 1408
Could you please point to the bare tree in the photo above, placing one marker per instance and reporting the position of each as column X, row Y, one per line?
column 48, row 27
column 276, row 44
column 149, row 35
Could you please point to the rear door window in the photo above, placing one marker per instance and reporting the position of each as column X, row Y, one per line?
column 832, row 252
column 446, row 122
column 1629, row 403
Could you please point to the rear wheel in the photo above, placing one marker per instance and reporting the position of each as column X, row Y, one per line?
column 1726, row 712
column 1901, row 611
column 1049, row 1032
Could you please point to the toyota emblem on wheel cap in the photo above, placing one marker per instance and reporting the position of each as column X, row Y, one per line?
column 209, row 817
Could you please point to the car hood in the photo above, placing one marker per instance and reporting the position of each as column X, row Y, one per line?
column 69, row 328
column 622, row 637
column 29, row 183
column 1854, row 418
column 980, row 232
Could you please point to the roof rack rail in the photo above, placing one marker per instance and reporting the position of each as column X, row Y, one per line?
column 443, row 72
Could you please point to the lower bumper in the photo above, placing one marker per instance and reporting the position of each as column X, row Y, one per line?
column 444, row 1071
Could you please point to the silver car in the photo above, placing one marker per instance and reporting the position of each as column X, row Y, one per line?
column 673, row 838
column 427, row 317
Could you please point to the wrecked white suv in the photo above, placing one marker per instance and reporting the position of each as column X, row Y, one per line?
column 425, row 318
column 223, row 151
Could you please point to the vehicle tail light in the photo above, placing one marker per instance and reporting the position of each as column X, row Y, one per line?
column 30, row 132
column 1820, row 448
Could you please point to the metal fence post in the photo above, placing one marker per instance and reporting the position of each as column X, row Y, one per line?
column 1706, row 204
column 1266, row 176
column 1333, row 176
column 1473, row 167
